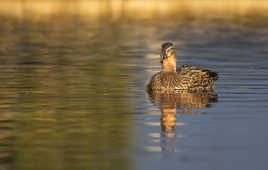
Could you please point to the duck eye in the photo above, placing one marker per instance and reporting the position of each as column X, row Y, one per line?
column 170, row 51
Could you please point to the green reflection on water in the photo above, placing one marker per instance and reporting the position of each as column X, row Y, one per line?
column 64, row 99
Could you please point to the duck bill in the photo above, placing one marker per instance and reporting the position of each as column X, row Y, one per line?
column 163, row 57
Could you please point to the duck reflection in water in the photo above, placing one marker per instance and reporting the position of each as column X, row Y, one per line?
column 170, row 102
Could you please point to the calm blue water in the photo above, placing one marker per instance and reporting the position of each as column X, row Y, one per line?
column 73, row 95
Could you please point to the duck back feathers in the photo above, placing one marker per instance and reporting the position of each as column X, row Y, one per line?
column 192, row 78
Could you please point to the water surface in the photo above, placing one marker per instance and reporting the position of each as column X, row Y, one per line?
column 73, row 92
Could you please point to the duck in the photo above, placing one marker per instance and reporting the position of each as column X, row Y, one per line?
column 186, row 77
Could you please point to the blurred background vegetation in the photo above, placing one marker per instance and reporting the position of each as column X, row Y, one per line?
column 135, row 9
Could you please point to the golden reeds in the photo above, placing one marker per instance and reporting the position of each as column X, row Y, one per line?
column 135, row 9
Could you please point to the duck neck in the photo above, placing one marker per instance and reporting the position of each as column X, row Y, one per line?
column 169, row 64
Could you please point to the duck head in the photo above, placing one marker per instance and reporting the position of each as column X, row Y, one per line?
column 168, row 57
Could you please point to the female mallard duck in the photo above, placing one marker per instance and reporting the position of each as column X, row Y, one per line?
column 192, row 78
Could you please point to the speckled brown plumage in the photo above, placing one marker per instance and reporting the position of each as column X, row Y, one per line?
column 191, row 78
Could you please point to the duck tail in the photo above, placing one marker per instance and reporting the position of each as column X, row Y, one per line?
column 213, row 75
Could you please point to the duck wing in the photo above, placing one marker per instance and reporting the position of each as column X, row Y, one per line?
column 195, row 77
